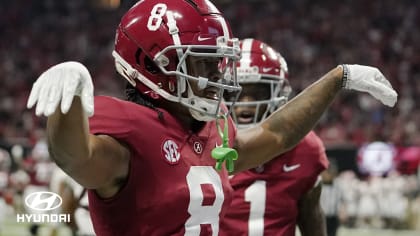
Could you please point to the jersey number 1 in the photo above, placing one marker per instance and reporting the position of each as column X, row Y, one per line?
column 255, row 194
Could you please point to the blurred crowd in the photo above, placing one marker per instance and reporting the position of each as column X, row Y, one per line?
column 313, row 36
column 388, row 200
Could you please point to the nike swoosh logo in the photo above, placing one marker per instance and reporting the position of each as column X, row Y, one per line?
column 265, row 70
column 203, row 39
column 287, row 168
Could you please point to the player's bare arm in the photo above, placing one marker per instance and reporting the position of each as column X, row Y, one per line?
column 289, row 124
column 311, row 219
column 96, row 162
column 83, row 155
column 284, row 128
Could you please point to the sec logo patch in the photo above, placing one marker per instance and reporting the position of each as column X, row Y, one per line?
column 171, row 152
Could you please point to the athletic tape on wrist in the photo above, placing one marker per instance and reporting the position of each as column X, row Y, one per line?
column 344, row 80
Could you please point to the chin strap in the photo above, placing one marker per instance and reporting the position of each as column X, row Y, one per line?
column 224, row 152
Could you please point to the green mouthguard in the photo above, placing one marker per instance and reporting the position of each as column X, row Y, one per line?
column 224, row 153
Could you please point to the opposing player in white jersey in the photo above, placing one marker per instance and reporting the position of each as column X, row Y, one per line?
column 284, row 192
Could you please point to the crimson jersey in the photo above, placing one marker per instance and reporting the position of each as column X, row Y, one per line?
column 268, row 195
column 172, row 186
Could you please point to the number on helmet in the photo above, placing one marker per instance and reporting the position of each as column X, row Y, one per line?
column 155, row 18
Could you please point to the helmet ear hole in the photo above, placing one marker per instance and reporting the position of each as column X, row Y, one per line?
column 148, row 63
column 150, row 66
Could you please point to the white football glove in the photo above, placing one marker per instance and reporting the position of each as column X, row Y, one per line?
column 61, row 83
column 371, row 80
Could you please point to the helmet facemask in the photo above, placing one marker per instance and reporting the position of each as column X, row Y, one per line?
column 278, row 90
column 202, row 108
column 169, row 33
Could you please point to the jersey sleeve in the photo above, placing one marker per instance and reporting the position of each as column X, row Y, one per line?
column 111, row 117
column 322, row 160
column 313, row 150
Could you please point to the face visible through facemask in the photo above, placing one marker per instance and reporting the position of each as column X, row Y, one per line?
column 247, row 110
column 202, row 95
column 205, row 67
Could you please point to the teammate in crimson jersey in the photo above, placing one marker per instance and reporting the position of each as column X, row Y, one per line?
column 284, row 192
column 147, row 160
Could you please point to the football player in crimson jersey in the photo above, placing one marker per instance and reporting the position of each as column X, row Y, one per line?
column 147, row 161
column 274, row 197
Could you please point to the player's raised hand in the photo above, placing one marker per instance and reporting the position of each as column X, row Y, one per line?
column 371, row 80
column 61, row 83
